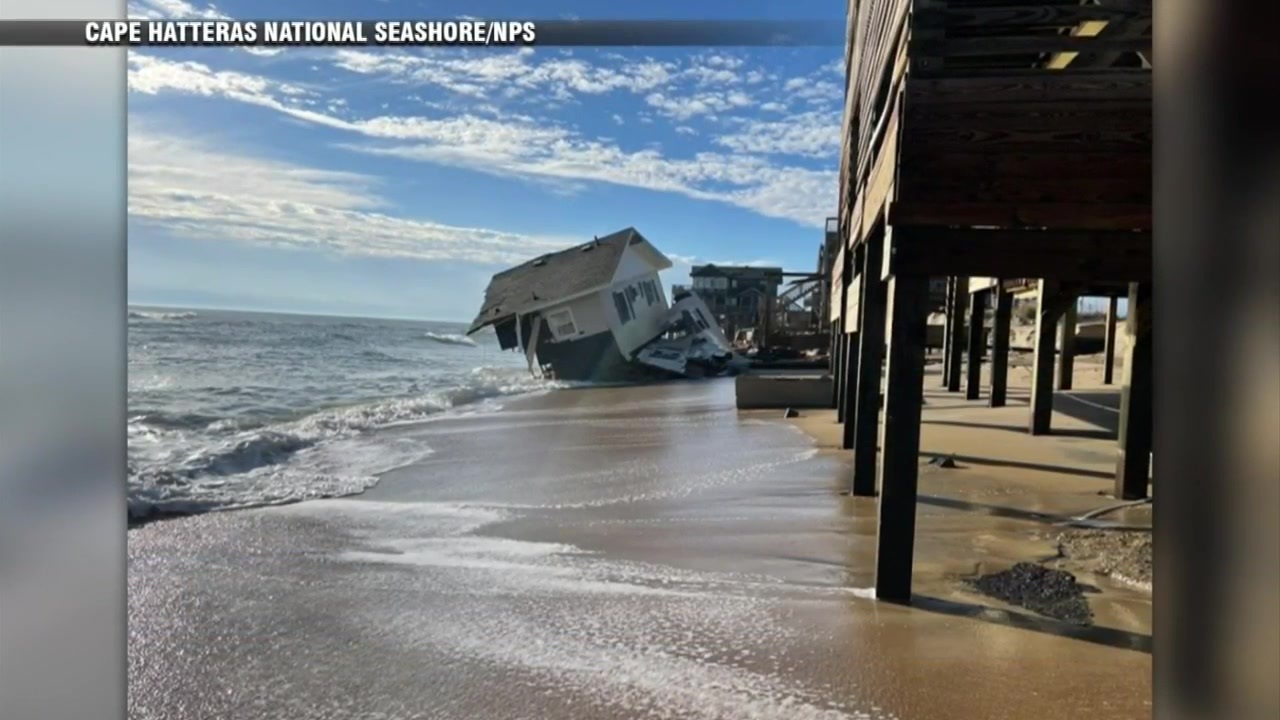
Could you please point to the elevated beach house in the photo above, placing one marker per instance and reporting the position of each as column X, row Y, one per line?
column 581, row 313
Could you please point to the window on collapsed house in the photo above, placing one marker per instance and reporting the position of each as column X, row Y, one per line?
column 562, row 325
column 651, row 292
column 624, row 309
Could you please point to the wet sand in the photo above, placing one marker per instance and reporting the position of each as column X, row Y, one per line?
column 617, row 553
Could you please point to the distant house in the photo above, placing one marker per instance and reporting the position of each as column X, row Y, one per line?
column 584, row 312
column 740, row 296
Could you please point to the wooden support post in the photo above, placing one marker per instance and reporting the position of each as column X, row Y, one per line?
column 850, row 390
column 956, row 344
column 1133, row 455
column 836, row 376
column 948, row 314
column 1109, row 343
column 900, row 435
column 1000, row 345
column 870, row 362
column 844, row 376
column 977, row 312
column 1048, row 308
column 1067, row 346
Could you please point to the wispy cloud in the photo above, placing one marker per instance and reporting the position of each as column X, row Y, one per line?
column 197, row 190
column 487, row 73
column 180, row 10
column 810, row 134
column 522, row 146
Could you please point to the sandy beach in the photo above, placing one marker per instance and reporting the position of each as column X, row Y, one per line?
column 643, row 552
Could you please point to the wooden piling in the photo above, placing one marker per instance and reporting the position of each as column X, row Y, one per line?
column 850, row 390
column 948, row 314
column 841, row 406
column 1133, row 452
column 837, row 364
column 977, row 313
column 1067, row 346
column 957, row 339
column 1002, row 322
column 870, row 362
column 900, row 435
column 1109, row 343
column 1048, row 300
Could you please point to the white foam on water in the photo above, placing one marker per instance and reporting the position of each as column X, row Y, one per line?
column 639, row 639
column 155, row 315
column 330, row 453
column 684, row 485
column 451, row 339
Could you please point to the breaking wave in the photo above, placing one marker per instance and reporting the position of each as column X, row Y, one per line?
column 451, row 339
column 149, row 315
column 200, row 464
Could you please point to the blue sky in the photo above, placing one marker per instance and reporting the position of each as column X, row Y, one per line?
column 395, row 182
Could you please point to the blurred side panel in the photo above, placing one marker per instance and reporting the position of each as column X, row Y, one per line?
column 62, row 373
column 1217, row 466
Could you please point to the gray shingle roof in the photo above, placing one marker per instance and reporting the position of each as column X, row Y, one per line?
column 551, row 277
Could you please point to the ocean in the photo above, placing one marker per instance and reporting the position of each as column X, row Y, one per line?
column 234, row 409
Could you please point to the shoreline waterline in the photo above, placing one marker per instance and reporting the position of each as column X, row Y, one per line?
column 606, row 552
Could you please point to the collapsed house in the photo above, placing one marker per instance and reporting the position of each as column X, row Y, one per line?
column 598, row 312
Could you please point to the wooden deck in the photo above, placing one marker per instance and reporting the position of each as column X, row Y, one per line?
column 999, row 139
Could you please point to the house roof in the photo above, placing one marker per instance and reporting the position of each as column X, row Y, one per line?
column 737, row 271
column 554, row 276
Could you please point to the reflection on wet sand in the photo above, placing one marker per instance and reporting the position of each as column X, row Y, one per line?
column 618, row 552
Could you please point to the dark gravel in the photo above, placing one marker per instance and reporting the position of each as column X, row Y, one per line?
column 1052, row 593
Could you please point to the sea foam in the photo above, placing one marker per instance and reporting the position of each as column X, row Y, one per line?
column 330, row 453
column 451, row 339
column 149, row 315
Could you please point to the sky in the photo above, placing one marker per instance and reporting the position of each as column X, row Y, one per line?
column 393, row 182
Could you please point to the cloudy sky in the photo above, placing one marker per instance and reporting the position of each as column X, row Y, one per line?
column 394, row 182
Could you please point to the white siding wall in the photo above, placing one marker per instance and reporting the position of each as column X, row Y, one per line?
column 589, row 314
column 649, row 319
column 631, row 266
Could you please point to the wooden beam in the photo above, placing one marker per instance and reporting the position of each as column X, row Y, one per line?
column 1089, row 28
column 956, row 345
column 870, row 363
column 977, row 315
column 1064, row 115
column 1026, row 215
column 1138, row 27
column 1007, row 86
column 1080, row 163
column 1049, row 307
column 850, row 388
column 837, row 363
column 880, row 185
column 1003, row 321
column 1063, row 255
column 1067, row 346
column 1046, row 138
column 1109, row 342
column 1034, row 16
column 843, row 398
column 1026, row 44
column 948, row 327
column 1133, row 452
column 900, row 436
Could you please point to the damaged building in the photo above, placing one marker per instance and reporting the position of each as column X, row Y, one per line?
column 598, row 312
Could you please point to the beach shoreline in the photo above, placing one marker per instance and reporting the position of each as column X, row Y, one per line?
column 609, row 552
